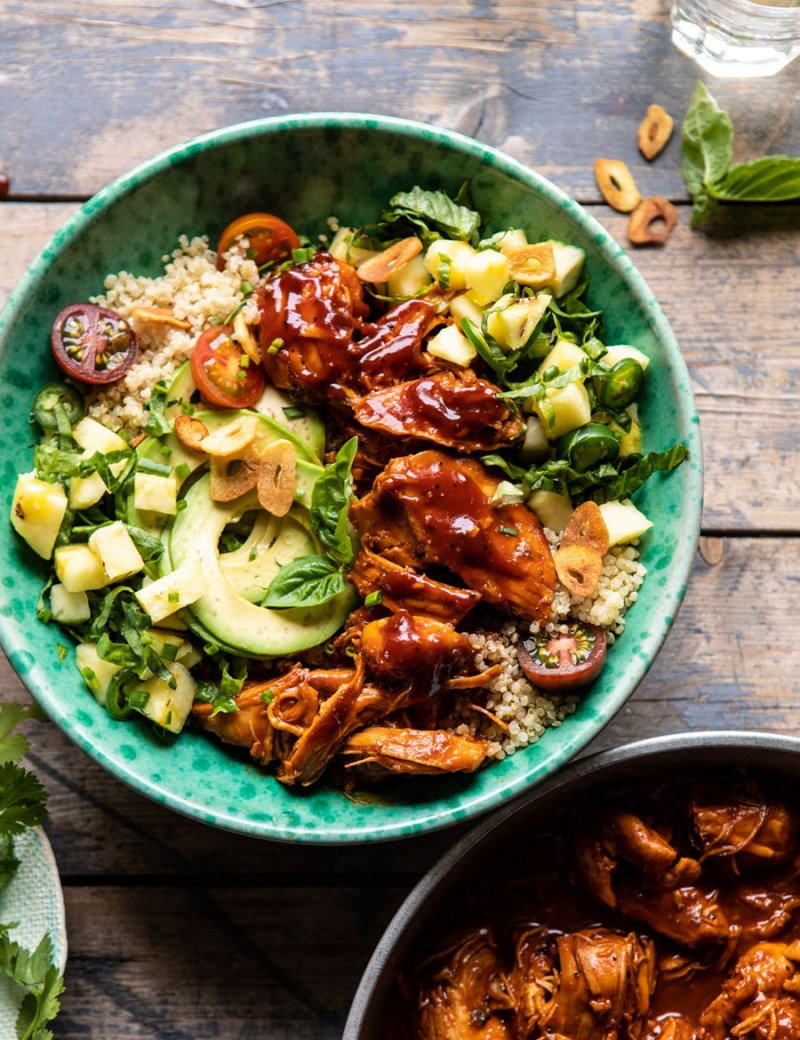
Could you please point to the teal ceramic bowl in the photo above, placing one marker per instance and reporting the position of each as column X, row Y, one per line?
column 306, row 168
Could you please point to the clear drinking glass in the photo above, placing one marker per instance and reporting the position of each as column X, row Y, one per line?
column 738, row 38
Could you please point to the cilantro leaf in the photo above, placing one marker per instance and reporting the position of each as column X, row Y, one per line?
column 39, row 977
column 22, row 799
column 14, row 746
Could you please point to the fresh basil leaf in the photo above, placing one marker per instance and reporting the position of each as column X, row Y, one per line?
column 330, row 503
column 307, row 581
column 633, row 478
column 707, row 146
column 773, row 178
column 434, row 211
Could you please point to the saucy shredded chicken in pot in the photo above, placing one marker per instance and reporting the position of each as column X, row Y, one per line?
column 669, row 917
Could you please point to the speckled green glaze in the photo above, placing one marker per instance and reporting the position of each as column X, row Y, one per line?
column 306, row 168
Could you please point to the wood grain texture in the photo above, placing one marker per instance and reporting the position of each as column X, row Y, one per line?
column 91, row 89
column 733, row 298
column 711, row 673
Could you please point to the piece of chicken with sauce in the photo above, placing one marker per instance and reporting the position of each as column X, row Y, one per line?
column 750, row 830
column 313, row 339
column 455, row 410
column 461, row 990
column 616, row 835
column 432, row 509
column 760, row 999
column 392, row 750
column 533, row 979
column 403, row 588
column 606, row 982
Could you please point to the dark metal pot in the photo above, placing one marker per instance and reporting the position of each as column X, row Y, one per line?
column 376, row 1006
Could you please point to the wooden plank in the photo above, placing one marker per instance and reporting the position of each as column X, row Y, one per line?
column 89, row 90
column 199, row 963
column 734, row 317
column 720, row 668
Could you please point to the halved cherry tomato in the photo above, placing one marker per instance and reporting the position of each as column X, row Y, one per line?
column 270, row 238
column 223, row 372
column 92, row 344
column 564, row 661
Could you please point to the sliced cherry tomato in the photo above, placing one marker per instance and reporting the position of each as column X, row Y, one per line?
column 93, row 344
column 270, row 238
column 223, row 372
column 564, row 661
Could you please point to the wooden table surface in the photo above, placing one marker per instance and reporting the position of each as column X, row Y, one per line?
column 179, row 932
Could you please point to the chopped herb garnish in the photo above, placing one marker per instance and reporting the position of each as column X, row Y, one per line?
column 511, row 531
column 275, row 346
column 302, row 255
column 182, row 471
column 62, row 651
column 294, row 412
column 372, row 599
column 246, row 289
column 158, row 469
column 169, row 652
column 173, row 597
column 267, row 696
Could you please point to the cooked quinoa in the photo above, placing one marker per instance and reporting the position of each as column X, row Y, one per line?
column 517, row 713
column 195, row 291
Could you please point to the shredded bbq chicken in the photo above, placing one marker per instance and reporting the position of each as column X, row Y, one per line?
column 313, row 339
column 403, row 588
column 606, row 982
column 463, row 987
column 431, row 509
column 760, row 1000
column 749, row 830
column 432, row 751
column 455, row 410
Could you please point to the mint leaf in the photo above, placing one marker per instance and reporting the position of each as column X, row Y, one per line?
column 773, row 178
column 434, row 211
column 330, row 504
column 307, row 581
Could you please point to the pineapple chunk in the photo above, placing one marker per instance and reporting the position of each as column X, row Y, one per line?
column 624, row 522
column 553, row 509
column 509, row 241
column 409, row 279
column 535, row 445
column 459, row 253
column 174, row 591
column 631, row 443
column 463, row 307
column 572, row 409
column 486, row 274
column 97, row 673
column 86, row 491
column 512, row 326
column 563, row 356
column 79, row 569
column 92, row 436
column 37, row 511
column 69, row 608
column 451, row 345
column 156, row 494
column 341, row 249
column 622, row 352
column 569, row 267
column 166, row 707
column 116, row 551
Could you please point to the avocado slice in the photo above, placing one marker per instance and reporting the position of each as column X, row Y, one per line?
column 225, row 613
column 273, row 542
column 308, row 429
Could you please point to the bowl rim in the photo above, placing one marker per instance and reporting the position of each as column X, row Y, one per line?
column 431, row 817
column 597, row 765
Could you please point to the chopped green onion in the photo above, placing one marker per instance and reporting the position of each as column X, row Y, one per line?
column 173, row 596
column 246, row 288
column 244, row 361
column 159, row 469
column 267, row 696
column 62, row 651
column 294, row 412
column 241, row 374
column 252, row 554
column 512, row 531
column 182, row 471
column 216, row 319
column 275, row 346
column 373, row 598
column 180, row 505
column 166, row 452
column 300, row 256
column 169, row 651
column 211, row 649
column 138, row 699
